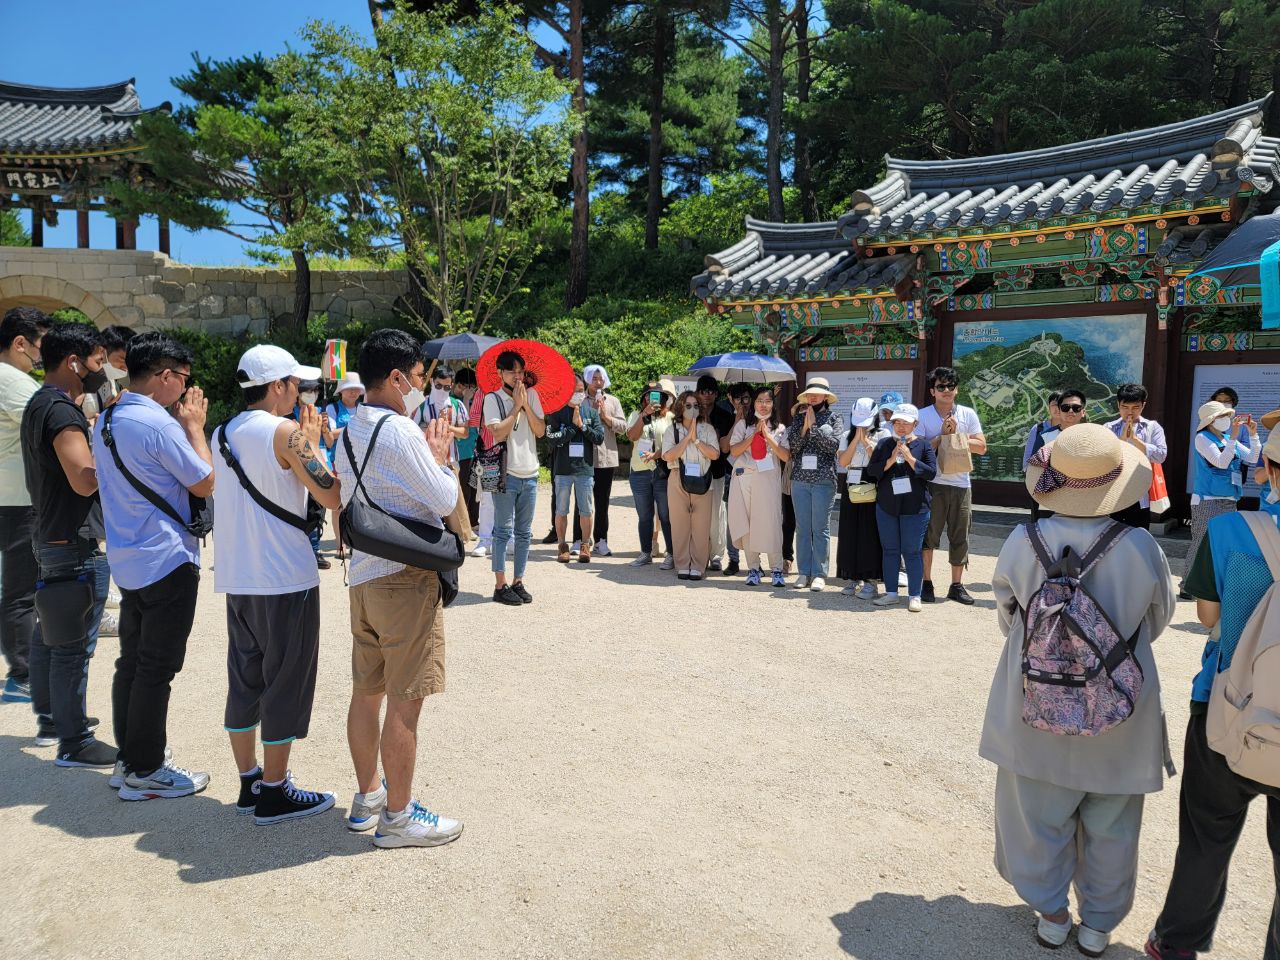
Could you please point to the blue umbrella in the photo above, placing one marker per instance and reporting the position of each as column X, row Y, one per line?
column 460, row 346
column 1249, row 257
column 741, row 367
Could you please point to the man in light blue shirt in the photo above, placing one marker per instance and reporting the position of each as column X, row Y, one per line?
column 1147, row 435
column 156, row 561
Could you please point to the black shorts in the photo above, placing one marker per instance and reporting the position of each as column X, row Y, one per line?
column 272, row 653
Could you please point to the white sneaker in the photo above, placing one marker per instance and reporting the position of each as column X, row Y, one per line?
column 117, row 776
column 365, row 808
column 415, row 826
column 850, row 591
column 168, row 782
column 868, row 591
column 481, row 550
column 113, row 597
column 576, row 546
column 601, row 549
column 108, row 626
column 641, row 561
column 668, row 564
column 914, row 604
column 801, row 583
column 885, row 600
column 818, row 585
column 1052, row 935
column 1091, row 942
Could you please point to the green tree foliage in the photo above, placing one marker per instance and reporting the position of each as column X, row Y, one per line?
column 225, row 156
column 12, row 232
column 445, row 138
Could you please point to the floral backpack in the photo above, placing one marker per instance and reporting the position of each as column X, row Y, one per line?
column 1080, row 676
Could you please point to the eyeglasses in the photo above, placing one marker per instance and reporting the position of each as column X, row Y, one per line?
column 186, row 377
column 1071, row 407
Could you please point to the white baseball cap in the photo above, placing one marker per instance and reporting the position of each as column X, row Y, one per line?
column 267, row 363
column 863, row 413
column 907, row 412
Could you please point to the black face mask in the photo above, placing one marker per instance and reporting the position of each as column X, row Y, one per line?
column 94, row 381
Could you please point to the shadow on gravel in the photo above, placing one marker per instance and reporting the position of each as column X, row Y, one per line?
column 897, row 926
column 203, row 837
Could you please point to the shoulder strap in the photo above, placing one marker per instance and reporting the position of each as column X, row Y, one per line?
column 1038, row 545
column 277, row 511
column 351, row 455
column 1268, row 537
column 1106, row 540
column 157, row 501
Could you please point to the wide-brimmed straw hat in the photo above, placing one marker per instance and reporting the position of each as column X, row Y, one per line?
column 1269, row 420
column 818, row 386
column 1088, row 471
column 1211, row 411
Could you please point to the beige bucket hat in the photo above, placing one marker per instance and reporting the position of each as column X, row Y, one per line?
column 1211, row 411
column 1088, row 472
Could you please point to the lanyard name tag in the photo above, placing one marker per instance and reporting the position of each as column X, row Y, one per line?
column 764, row 465
column 809, row 461
column 901, row 485
column 855, row 475
column 644, row 447
column 577, row 449
column 1049, row 436
column 692, row 469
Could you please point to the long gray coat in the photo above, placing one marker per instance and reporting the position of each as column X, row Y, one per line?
column 1133, row 585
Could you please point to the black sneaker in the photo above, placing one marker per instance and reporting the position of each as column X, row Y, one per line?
column 505, row 594
column 959, row 594
column 250, row 786
column 322, row 563
column 926, row 592
column 518, row 589
column 551, row 537
column 287, row 802
column 1183, row 595
column 732, row 569
column 94, row 753
column 714, row 565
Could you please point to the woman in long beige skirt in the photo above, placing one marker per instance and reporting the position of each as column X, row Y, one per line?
column 755, row 488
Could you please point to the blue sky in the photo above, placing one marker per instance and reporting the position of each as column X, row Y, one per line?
column 91, row 42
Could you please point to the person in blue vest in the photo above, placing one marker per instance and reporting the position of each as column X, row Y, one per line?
column 1216, row 483
column 1228, row 577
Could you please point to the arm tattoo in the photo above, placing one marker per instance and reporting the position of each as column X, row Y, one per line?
column 301, row 448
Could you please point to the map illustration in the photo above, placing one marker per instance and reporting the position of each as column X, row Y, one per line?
column 1007, row 368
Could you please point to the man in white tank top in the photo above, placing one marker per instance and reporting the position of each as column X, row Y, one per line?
column 266, row 567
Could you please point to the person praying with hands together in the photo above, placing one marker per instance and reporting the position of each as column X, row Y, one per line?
column 902, row 467
column 858, row 552
column 755, row 491
column 689, row 448
column 1147, row 436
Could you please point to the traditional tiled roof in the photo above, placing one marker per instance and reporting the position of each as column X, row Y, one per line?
column 1169, row 166
column 37, row 120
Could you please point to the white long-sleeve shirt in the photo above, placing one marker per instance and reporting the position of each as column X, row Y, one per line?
column 1222, row 457
column 402, row 477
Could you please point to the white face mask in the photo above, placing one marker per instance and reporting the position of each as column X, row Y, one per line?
column 307, row 398
column 1222, row 424
column 439, row 397
column 1274, row 495
column 114, row 373
column 413, row 399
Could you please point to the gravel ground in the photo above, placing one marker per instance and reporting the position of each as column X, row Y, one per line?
column 645, row 769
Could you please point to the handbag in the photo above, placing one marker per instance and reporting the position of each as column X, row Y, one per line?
column 490, row 469
column 954, row 455
column 1158, row 492
column 862, row 492
column 201, row 521
column 694, row 486
column 314, row 518
column 370, row 529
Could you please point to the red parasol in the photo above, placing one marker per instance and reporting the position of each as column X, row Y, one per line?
column 545, row 368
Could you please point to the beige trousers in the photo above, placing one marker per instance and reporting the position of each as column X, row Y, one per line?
column 690, row 526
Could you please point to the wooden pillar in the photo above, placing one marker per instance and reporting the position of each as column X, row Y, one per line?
column 130, row 232
column 37, row 227
column 82, row 229
column 164, row 236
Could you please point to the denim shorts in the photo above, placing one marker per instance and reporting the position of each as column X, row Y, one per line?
column 582, row 487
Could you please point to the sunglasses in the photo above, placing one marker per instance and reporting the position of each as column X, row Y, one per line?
column 1071, row 407
column 944, row 387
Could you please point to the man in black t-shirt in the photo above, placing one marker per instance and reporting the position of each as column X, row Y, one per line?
column 720, row 417
column 74, row 575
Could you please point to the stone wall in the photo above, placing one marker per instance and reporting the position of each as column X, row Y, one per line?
column 149, row 291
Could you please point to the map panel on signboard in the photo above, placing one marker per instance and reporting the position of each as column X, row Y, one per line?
column 1007, row 368
column 1258, row 386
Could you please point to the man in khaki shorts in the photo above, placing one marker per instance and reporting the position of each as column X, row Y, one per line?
column 397, row 614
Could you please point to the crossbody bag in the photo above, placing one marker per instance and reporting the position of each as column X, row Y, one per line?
column 315, row 512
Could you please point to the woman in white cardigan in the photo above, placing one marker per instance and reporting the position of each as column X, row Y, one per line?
column 1070, row 807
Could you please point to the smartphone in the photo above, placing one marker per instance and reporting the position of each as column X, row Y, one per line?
column 655, row 396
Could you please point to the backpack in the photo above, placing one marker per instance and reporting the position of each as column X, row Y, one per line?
column 1243, row 723
column 489, row 472
column 1080, row 676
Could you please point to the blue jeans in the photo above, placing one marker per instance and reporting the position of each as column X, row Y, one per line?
column 902, row 537
column 812, row 502
column 582, row 495
column 60, row 673
column 649, row 491
column 513, row 510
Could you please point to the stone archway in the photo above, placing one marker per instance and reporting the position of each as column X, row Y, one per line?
column 50, row 294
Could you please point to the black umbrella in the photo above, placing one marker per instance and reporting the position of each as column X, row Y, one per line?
column 1250, row 257
column 460, row 346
